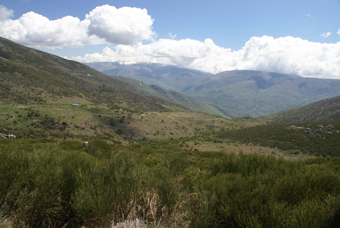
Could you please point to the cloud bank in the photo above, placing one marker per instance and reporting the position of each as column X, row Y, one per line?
column 128, row 27
column 103, row 24
column 286, row 55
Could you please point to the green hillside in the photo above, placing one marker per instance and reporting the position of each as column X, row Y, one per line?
column 256, row 93
column 177, row 97
column 321, row 138
column 31, row 76
column 328, row 109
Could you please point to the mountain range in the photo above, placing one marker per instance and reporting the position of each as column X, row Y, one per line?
column 166, row 76
column 241, row 92
column 28, row 75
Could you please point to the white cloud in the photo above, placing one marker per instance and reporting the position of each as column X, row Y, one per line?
column 172, row 36
column 125, row 25
column 326, row 34
column 286, row 55
column 36, row 30
column 338, row 32
column 5, row 13
column 103, row 24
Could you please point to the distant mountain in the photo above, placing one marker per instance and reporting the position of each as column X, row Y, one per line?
column 178, row 98
column 166, row 76
column 257, row 93
column 31, row 76
column 328, row 109
column 242, row 92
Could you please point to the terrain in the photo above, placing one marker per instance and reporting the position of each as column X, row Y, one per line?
column 29, row 75
column 99, row 151
column 328, row 109
column 240, row 92
column 256, row 93
column 166, row 76
column 179, row 98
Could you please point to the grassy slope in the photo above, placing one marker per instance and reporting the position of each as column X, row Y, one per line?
column 109, row 122
column 315, row 138
column 28, row 75
column 328, row 109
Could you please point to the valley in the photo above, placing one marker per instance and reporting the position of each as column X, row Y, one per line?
column 237, row 93
column 93, row 150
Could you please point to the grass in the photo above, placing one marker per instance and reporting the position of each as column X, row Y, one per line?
column 109, row 122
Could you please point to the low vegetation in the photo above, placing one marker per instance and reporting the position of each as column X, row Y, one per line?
column 49, row 183
column 108, row 122
column 328, row 109
column 315, row 138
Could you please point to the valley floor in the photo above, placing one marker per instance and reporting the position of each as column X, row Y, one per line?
column 177, row 169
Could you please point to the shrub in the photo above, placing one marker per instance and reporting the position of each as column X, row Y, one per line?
column 99, row 148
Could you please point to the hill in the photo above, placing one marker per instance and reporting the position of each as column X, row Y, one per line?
column 166, row 76
column 327, row 109
column 320, row 138
column 31, row 76
column 257, row 93
column 177, row 97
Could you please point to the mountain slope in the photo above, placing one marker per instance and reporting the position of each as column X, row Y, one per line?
column 177, row 97
column 166, row 76
column 256, row 93
column 328, row 109
column 28, row 75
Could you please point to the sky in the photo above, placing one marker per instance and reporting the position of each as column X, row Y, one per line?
column 299, row 37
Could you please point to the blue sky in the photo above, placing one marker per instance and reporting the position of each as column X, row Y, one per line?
column 299, row 37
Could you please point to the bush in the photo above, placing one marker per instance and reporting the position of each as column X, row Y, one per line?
column 99, row 148
column 71, row 145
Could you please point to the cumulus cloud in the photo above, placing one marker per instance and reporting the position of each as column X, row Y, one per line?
column 286, row 55
column 326, row 34
column 125, row 25
column 36, row 30
column 5, row 13
column 103, row 24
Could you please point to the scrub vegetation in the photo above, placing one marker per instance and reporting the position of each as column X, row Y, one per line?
column 51, row 183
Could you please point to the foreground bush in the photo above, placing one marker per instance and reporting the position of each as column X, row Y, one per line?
column 46, row 184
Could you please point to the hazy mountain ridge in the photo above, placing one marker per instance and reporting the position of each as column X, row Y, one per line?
column 167, row 76
column 257, row 93
column 244, row 92
column 177, row 97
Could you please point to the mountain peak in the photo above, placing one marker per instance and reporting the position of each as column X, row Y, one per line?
column 126, row 62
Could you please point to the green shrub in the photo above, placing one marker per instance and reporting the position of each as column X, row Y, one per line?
column 99, row 148
column 71, row 145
